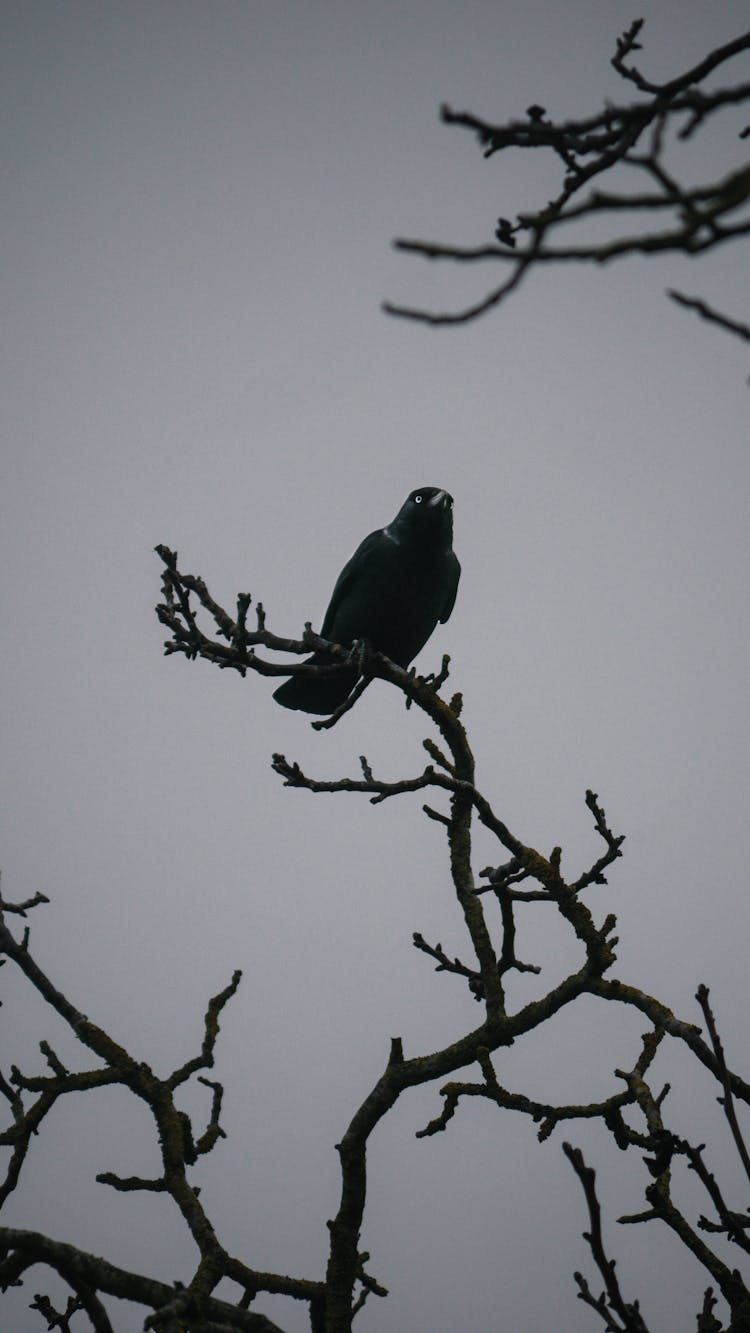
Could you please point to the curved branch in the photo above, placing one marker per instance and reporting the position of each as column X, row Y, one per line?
column 79, row 1268
column 588, row 148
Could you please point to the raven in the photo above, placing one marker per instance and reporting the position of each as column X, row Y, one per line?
column 398, row 584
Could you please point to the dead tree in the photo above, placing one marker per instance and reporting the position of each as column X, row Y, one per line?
column 632, row 1107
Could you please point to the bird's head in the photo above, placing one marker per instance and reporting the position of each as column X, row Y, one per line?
column 426, row 515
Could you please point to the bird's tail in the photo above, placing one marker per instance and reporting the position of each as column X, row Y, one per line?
column 322, row 694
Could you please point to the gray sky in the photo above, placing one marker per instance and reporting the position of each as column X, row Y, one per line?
column 198, row 205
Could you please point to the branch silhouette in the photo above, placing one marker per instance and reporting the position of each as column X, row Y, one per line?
column 488, row 904
column 623, row 137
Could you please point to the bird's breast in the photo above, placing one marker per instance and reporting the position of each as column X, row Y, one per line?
column 395, row 604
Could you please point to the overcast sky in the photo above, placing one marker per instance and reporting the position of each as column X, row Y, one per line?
column 198, row 205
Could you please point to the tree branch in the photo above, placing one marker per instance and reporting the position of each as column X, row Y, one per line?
column 588, row 149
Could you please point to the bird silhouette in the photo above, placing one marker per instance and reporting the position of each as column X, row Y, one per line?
column 400, row 582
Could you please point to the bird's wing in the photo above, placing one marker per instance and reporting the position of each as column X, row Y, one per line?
column 452, row 589
column 349, row 575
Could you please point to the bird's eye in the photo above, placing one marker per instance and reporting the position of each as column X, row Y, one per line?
column 417, row 499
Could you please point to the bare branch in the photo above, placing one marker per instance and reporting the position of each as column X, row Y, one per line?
column 712, row 316
column 595, row 875
column 728, row 1083
column 83, row 1270
column 589, row 148
column 211, row 1025
column 612, row 1301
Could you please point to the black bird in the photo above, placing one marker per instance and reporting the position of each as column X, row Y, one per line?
column 398, row 584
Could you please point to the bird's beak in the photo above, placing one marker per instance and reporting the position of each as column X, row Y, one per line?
column 437, row 499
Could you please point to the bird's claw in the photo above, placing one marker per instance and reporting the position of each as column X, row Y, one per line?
column 359, row 655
